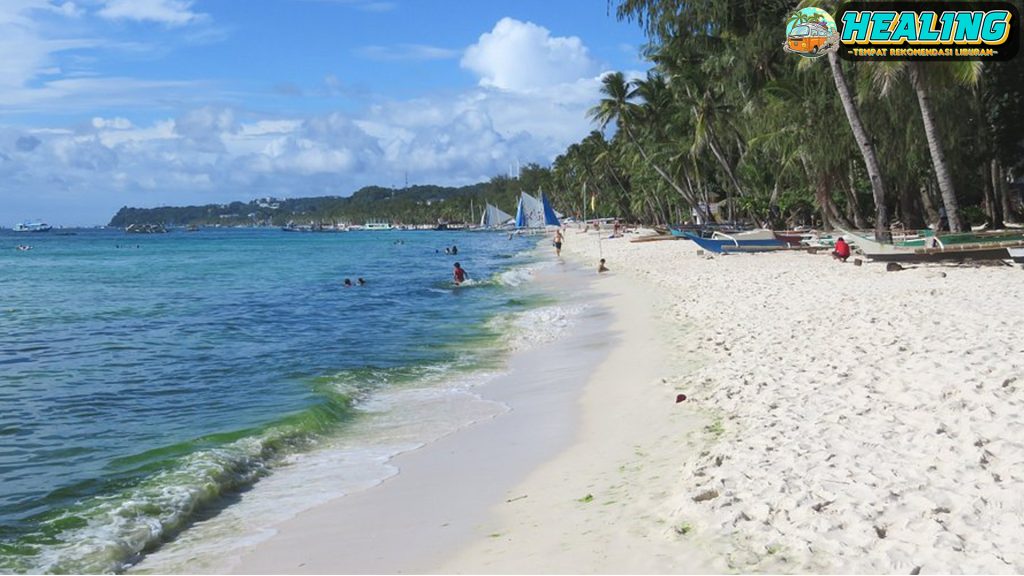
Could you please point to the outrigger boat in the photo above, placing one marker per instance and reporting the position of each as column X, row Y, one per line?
column 752, row 241
column 938, row 250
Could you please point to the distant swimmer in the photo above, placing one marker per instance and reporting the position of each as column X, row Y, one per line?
column 361, row 281
column 348, row 283
column 601, row 267
column 459, row 273
column 23, row 247
column 455, row 249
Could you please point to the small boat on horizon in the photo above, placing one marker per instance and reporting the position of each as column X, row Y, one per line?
column 37, row 226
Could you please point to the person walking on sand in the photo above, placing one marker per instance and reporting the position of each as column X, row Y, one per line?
column 459, row 273
column 842, row 251
column 601, row 267
column 558, row 242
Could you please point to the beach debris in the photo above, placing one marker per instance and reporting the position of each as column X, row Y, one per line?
column 821, row 505
column 857, row 262
column 683, row 529
column 586, row 499
column 880, row 531
column 706, row 495
column 680, row 398
column 893, row 267
column 517, row 498
column 915, row 571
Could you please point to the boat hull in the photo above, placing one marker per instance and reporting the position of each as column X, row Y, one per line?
column 717, row 245
column 948, row 253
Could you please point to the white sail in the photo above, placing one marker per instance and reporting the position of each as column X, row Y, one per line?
column 493, row 217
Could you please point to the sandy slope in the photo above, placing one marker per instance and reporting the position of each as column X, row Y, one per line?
column 860, row 420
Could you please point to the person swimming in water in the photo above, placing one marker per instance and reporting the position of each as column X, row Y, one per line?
column 459, row 273
column 601, row 267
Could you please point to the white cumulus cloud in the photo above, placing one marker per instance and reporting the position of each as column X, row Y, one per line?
column 522, row 56
column 169, row 12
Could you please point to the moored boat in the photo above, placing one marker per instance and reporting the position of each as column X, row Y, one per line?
column 752, row 241
column 1017, row 254
column 939, row 251
column 36, row 226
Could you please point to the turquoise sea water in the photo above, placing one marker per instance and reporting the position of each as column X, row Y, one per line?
column 146, row 380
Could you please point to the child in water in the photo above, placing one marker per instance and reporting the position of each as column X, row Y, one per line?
column 601, row 267
column 459, row 274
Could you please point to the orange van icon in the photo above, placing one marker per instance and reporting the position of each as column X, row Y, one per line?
column 809, row 38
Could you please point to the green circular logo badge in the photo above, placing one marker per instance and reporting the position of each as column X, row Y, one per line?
column 811, row 33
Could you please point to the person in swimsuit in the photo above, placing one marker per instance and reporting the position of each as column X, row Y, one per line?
column 459, row 273
column 558, row 242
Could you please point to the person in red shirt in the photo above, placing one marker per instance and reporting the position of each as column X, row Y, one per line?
column 459, row 273
column 842, row 251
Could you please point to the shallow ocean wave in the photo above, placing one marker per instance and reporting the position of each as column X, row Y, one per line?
column 520, row 275
column 150, row 497
column 538, row 326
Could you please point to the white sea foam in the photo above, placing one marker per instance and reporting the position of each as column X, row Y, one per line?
column 520, row 275
column 398, row 420
column 538, row 326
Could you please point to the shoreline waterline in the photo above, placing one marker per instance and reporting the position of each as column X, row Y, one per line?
column 265, row 366
column 440, row 490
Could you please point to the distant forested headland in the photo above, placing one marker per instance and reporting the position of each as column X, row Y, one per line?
column 412, row 205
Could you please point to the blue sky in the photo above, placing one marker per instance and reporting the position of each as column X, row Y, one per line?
column 105, row 103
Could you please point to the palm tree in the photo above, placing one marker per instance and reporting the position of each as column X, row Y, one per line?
column 867, row 148
column 618, row 107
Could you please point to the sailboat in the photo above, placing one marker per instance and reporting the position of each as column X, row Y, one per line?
column 494, row 217
column 535, row 213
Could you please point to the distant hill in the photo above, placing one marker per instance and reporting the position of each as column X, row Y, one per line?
column 410, row 206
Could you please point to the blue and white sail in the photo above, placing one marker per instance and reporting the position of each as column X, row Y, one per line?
column 534, row 213
column 550, row 216
column 529, row 212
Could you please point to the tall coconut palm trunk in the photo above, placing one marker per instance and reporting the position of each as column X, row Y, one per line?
column 935, row 147
column 867, row 149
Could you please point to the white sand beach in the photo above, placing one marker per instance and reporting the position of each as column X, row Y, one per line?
column 839, row 419
column 860, row 421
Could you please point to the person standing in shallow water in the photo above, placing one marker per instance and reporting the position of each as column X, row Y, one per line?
column 558, row 242
column 601, row 267
column 459, row 274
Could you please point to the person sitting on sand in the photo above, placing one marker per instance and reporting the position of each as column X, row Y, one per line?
column 842, row 251
column 601, row 267
column 459, row 273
